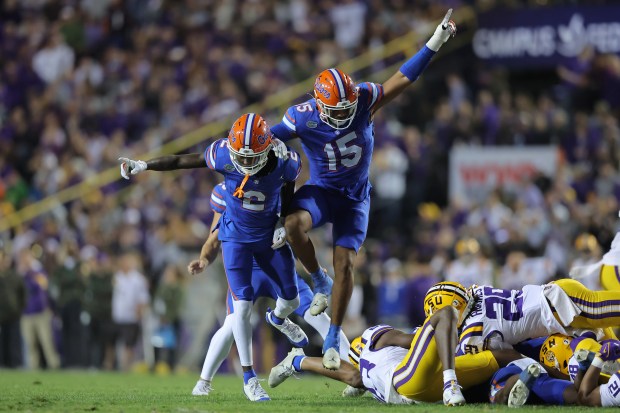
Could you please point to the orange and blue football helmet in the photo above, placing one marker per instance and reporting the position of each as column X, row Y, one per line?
column 249, row 142
column 336, row 98
column 448, row 293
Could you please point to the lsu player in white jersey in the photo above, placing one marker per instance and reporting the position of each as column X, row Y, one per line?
column 605, row 273
column 502, row 318
column 587, row 381
column 396, row 367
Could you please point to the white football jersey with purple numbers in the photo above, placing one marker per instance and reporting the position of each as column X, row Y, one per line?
column 501, row 318
column 610, row 392
column 609, row 368
column 377, row 366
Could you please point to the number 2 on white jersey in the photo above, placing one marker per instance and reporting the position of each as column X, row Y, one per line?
column 354, row 150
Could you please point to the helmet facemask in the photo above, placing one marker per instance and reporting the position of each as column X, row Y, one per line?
column 246, row 161
column 338, row 117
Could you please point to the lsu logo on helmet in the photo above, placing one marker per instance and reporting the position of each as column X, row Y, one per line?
column 445, row 294
column 556, row 352
column 355, row 351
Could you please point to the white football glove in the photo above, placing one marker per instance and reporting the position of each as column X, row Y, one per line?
column 445, row 30
column 279, row 148
column 129, row 166
column 279, row 236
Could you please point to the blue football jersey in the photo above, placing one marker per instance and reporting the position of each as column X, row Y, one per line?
column 253, row 217
column 218, row 204
column 339, row 159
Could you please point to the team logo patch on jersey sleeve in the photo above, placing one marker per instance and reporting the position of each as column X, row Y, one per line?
column 229, row 167
column 311, row 124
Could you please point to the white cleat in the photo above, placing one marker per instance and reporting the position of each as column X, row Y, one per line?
column 202, row 388
column 452, row 395
column 520, row 392
column 351, row 391
column 254, row 391
column 331, row 359
column 292, row 331
column 319, row 304
column 284, row 369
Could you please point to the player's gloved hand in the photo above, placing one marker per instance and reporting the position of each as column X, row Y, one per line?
column 279, row 236
column 129, row 166
column 445, row 30
column 279, row 148
column 610, row 350
column 197, row 266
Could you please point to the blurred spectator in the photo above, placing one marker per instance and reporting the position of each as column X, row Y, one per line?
column 36, row 321
column 67, row 288
column 470, row 266
column 521, row 270
column 54, row 60
column 391, row 295
column 12, row 301
column 167, row 307
column 130, row 299
column 421, row 279
column 98, row 305
column 588, row 252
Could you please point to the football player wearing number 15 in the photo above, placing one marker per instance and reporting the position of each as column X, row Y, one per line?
column 337, row 135
column 259, row 173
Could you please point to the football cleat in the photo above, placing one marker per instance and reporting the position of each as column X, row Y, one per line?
column 331, row 359
column 254, row 391
column 292, row 331
column 350, row 391
column 521, row 390
column 322, row 290
column 452, row 395
column 284, row 369
column 202, row 388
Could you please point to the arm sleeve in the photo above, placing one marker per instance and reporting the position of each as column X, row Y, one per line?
column 211, row 154
column 218, row 204
column 293, row 166
column 287, row 128
column 370, row 94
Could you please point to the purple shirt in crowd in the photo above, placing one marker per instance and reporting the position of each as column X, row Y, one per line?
column 36, row 286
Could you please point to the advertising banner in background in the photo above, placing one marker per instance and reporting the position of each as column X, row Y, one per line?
column 476, row 171
column 545, row 36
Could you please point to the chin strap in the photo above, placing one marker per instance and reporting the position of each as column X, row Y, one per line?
column 239, row 191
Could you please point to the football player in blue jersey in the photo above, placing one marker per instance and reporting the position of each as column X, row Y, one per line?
column 259, row 173
column 222, row 340
column 337, row 135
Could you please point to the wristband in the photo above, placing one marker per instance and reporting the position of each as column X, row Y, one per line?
column 597, row 362
column 414, row 67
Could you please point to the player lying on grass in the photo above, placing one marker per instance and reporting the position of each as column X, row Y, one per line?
column 587, row 381
column 513, row 384
column 557, row 353
column 502, row 318
column 400, row 368
column 260, row 175
column 222, row 340
column 337, row 134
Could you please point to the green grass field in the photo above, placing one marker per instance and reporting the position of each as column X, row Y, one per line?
column 115, row 392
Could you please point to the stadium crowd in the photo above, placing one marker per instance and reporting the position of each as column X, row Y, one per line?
column 84, row 82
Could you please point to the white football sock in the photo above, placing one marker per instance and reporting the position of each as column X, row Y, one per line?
column 242, row 330
column 219, row 347
column 285, row 307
